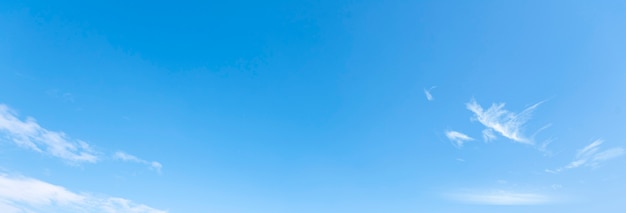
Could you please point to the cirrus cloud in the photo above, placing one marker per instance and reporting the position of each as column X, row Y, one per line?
column 591, row 156
column 506, row 123
column 29, row 134
column 500, row 197
column 119, row 155
column 22, row 194
column 458, row 138
column 429, row 95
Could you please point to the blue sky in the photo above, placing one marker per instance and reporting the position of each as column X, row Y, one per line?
column 312, row 106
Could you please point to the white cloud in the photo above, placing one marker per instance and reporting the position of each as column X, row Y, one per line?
column 429, row 96
column 543, row 147
column 507, row 124
column 5, row 208
column 488, row 135
column 608, row 154
column 35, row 192
column 500, row 197
column 127, row 157
column 29, row 134
column 590, row 156
column 156, row 165
column 556, row 186
column 589, row 149
column 131, row 158
column 458, row 138
column 22, row 194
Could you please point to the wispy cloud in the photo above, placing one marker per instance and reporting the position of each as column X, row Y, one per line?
column 500, row 197
column 29, row 134
column 497, row 119
column 429, row 95
column 489, row 135
column 22, row 194
column 591, row 156
column 458, row 138
column 58, row 94
column 131, row 158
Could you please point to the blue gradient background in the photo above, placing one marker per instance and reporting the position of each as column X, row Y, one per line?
column 318, row 106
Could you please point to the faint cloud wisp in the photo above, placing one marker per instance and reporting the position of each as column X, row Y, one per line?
column 429, row 95
column 29, row 134
column 131, row 158
column 57, row 94
column 458, row 138
column 590, row 156
column 500, row 197
column 22, row 194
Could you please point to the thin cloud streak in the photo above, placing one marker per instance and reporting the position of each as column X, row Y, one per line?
column 23, row 194
column 131, row 158
column 590, row 156
column 458, row 138
column 500, row 197
column 429, row 95
column 497, row 119
column 488, row 135
column 29, row 134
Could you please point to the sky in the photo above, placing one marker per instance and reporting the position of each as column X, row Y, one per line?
column 312, row 106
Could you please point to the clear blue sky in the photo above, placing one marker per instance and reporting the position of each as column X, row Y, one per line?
column 312, row 106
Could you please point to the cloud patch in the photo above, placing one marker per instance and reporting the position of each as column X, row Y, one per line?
column 429, row 96
column 458, row 138
column 489, row 135
column 131, row 158
column 22, row 194
column 500, row 197
column 496, row 119
column 591, row 156
column 29, row 134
